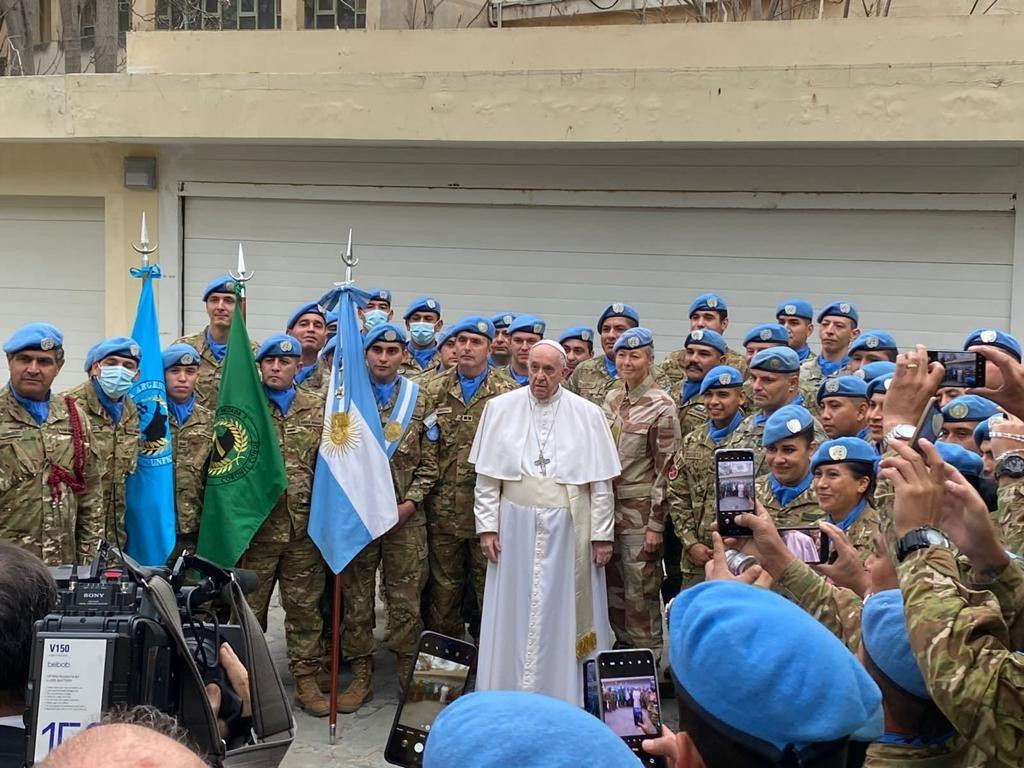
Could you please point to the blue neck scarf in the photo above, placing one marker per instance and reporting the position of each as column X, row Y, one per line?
column 831, row 369
column 913, row 741
column 114, row 408
column 785, row 494
column 850, row 519
column 804, row 352
column 609, row 365
column 217, row 350
column 718, row 435
column 383, row 392
column 865, row 435
column 39, row 410
column 282, row 398
column 521, row 380
column 304, row 373
column 690, row 388
column 470, row 385
column 422, row 356
column 760, row 418
column 181, row 411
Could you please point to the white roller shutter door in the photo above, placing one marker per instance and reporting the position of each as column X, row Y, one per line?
column 927, row 276
column 51, row 251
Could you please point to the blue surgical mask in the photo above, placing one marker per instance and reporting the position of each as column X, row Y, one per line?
column 422, row 333
column 374, row 317
column 116, row 380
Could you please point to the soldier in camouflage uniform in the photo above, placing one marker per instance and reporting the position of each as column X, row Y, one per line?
column 707, row 312
column 281, row 552
column 50, row 502
column 212, row 341
column 401, row 553
column 423, row 323
column 844, row 479
column 455, row 401
column 578, row 343
column 703, row 351
column 593, row 379
column 112, row 365
column 797, row 317
column 843, row 407
column 786, row 492
column 501, row 351
column 523, row 333
column 191, row 440
column 308, row 324
column 765, row 336
column 872, row 347
column 837, row 328
column 646, row 431
column 691, row 478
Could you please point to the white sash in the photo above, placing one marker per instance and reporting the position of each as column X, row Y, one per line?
column 401, row 414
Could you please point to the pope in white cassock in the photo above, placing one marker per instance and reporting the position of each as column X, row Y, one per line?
column 545, row 459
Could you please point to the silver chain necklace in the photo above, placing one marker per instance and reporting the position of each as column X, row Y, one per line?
column 542, row 461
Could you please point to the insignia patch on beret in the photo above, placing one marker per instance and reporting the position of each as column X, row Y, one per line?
column 958, row 410
column 186, row 359
column 789, row 309
column 431, row 303
column 229, row 286
column 793, row 425
column 859, row 373
column 724, row 378
column 697, row 335
column 633, row 342
column 617, row 307
column 481, row 326
column 382, row 295
column 390, row 336
column 937, row 423
column 871, row 342
column 585, row 335
column 46, row 344
column 888, row 383
column 774, row 363
column 134, row 350
column 712, row 302
column 844, row 308
column 837, row 452
column 765, row 334
column 831, row 385
column 988, row 336
column 538, row 328
column 507, row 319
column 286, row 346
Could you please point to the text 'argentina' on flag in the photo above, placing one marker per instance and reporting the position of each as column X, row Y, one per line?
column 353, row 495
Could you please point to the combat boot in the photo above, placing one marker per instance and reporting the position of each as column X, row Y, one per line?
column 308, row 696
column 360, row 689
column 405, row 665
column 323, row 679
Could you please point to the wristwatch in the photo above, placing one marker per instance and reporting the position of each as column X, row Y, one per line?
column 901, row 432
column 920, row 538
column 1010, row 466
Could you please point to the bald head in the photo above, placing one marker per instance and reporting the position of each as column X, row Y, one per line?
column 547, row 368
column 126, row 746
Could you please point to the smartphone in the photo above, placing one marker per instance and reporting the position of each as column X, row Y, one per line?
column 734, row 489
column 591, row 691
column 963, row 369
column 439, row 676
column 809, row 544
column 929, row 426
column 630, row 702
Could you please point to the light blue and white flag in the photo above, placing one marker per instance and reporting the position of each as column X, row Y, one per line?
column 149, row 491
column 353, row 495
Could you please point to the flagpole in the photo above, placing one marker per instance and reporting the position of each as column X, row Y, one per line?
column 349, row 262
column 143, row 248
column 241, row 278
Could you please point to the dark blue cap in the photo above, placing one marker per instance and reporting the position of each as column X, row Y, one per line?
column 481, row 326
column 776, row 360
column 969, row 463
column 705, row 337
column 874, row 340
column 527, row 324
column 503, row 319
column 390, row 332
column 618, row 309
column 968, row 408
column 581, row 332
column 280, row 345
column 795, row 308
column 122, row 346
column 708, row 302
column 767, row 332
column 842, row 386
column 313, row 308
column 840, row 309
column 423, row 304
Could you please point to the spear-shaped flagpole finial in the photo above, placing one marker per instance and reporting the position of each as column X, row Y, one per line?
column 349, row 259
column 143, row 248
column 242, row 276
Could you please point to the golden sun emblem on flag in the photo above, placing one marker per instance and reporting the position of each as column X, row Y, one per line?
column 341, row 434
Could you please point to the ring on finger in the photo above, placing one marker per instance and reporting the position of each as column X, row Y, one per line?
column 911, row 366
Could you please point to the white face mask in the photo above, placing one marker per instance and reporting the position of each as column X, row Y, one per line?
column 116, row 381
column 422, row 333
column 374, row 317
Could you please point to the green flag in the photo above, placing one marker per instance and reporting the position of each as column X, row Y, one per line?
column 246, row 474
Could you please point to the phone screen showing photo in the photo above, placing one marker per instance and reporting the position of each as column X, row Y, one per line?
column 436, row 683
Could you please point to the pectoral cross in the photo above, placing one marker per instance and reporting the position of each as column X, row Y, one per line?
column 542, row 462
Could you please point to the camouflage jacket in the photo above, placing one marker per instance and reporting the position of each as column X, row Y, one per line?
column 863, row 530
column 811, row 375
column 692, row 413
column 210, row 371
column 592, row 381
column 804, row 389
column 115, row 448
column 749, row 435
column 411, row 369
column 298, row 434
column 672, row 370
column 191, row 445
column 414, row 463
column 449, row 504
column 1010, row 515
column 646, row 431
column 691, row 491
column 59, row 529
column 801, row 511
column 319, row 380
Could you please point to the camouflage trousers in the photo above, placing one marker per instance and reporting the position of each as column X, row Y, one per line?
column 634, row 594
column 402, row 557
column 456, row 566
column 299, row 569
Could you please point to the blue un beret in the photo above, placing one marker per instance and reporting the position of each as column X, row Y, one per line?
column 842, row 386
column 873, row 340
column 969, row 463
column 758, row 693
column 969, row 408
column 42, row 336
column 618, row 309
column 313, row 308
column 332, row 317
column 840, row 309
column 390, row 332
column 884, row 631
column 423, row 304
column 767, row 332
column 982, row 432
column 527, row 324
column 280, row 345
column 481, row 326
column 789, row 420
column 993, row 338
column 634, row 338
column 118, row 345
column 844, row 450
column 444, row 336
column 222, row 284
column 581, row 332
column 880, row 384
column 721, row 377
column 776, row 360
column 503, row 319
column 795, row 308
column 517, row 728
column 705, row 337
column 871, row 371
column 708, row 302
column 180, row 354
column 380, row 294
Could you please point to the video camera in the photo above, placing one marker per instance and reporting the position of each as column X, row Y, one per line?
column 121, row 634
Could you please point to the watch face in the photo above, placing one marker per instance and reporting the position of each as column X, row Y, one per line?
column 934, row 538
column 904, row 431
column 1013, row 464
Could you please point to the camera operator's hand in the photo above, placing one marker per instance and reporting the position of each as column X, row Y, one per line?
column 238, row 677
column 847, row 570
column 914, row 382
column 918, row 480
column 966, row 521
column 671, row 746
column 1011, row 394
column 717, row 568
column 772, row 551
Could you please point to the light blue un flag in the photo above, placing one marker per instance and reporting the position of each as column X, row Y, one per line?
column 149, row 491
column 353, row 496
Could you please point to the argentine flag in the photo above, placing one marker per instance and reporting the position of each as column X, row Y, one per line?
column 353, row 495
